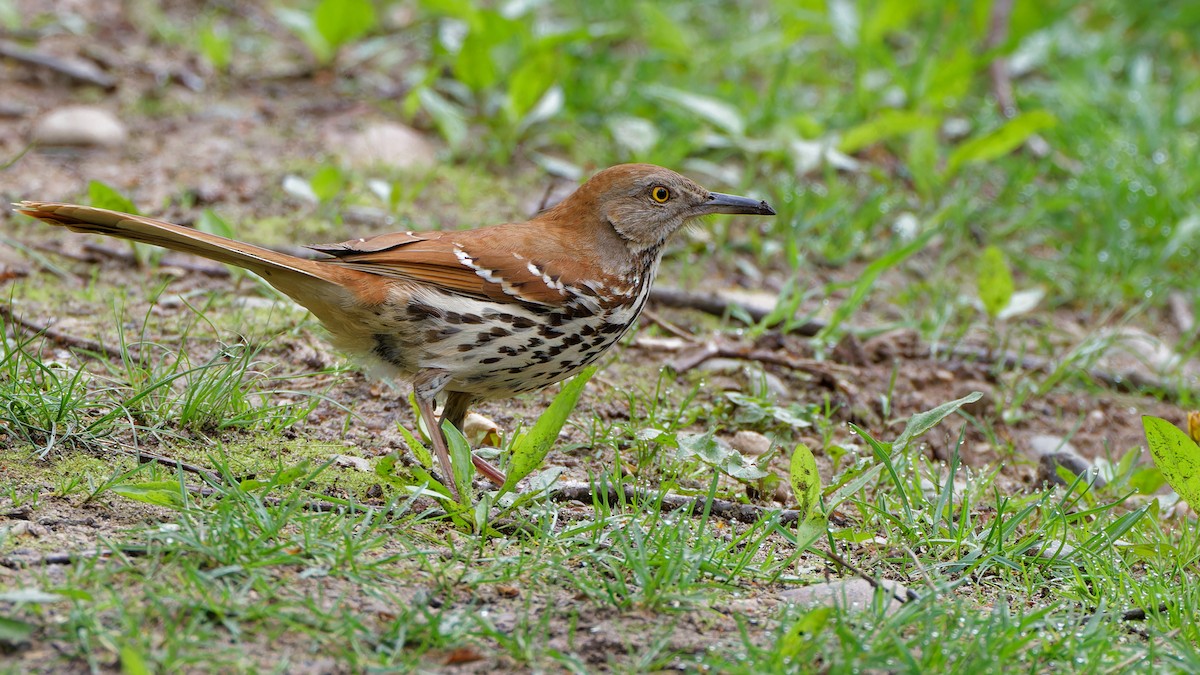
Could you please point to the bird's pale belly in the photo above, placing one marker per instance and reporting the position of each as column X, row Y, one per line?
column 494, row 350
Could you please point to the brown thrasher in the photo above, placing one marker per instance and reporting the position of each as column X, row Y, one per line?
column 478, row 314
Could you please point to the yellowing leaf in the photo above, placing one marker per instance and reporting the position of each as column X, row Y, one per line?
column 806, row 483
column 1194, row 426
column 1176, row 455
column 995, row 281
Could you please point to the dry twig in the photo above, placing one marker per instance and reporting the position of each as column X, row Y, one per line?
column 74, row 69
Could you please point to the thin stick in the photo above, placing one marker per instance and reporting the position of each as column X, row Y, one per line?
column 74, row 69
column 726, row 510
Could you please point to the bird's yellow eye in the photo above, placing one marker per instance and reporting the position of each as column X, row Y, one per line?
column 660, row 194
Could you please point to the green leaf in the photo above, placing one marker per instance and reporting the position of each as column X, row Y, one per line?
column 458, row 9
column 887, row 124
column 328, row 182
column 160, row 492
column 533, row 78
column 719, row 455
column 530, row 450
column 995, row 281
column 460, row 458
column 14, row 631
column 343, row 21
column 132, row 662
column 1176, row 455
column 285, row 477
column 924, row 421
column 883, row 454
column 475, row 66
column 304, row 26
column 718, row 113
column 806, row 482
column 663, row 33
column 210, row 222
column 423, row 477
column 1001, row 141
column 447, row 116
column 888, row 16
column 803, row 631
column 104, row 197
column 217, row 46
column 417, row 448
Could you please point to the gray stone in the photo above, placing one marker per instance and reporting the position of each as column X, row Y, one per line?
column 1053, row 452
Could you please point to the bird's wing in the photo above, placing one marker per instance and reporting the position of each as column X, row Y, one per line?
column 489, row 263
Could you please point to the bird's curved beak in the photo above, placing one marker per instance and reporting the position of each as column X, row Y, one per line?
column 723, row 203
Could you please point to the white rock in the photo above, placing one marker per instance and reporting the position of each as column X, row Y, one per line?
column 352, row 462
column 852, row 594
column 386, row 143
column 80, row 125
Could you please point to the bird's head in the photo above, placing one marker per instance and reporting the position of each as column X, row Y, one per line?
column 645, row 204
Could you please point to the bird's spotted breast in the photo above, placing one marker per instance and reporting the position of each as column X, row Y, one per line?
column 495, row 350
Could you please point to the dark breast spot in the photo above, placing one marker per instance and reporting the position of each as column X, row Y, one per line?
column 420, row 311
column 388, row 348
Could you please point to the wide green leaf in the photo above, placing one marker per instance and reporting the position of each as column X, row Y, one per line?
column 806, row 483
column 343, row 21
column 1001, row 141
column 536, row 74
column 995, row 281
column 924, row 421
column 887, row 124
column 1176, row 455
column 529, row 450
column 460, row 458
column 102, row 196
column 160, row 492
column 14, row 631
column 475, row 66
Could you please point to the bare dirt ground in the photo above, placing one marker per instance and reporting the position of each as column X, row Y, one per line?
column 229, row 147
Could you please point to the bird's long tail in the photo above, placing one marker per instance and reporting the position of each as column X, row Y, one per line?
column 321, row 287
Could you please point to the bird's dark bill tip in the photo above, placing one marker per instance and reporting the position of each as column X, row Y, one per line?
column 733, row 204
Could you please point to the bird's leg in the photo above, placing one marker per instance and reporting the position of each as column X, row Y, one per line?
column 456, row 411
column 426, row 386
